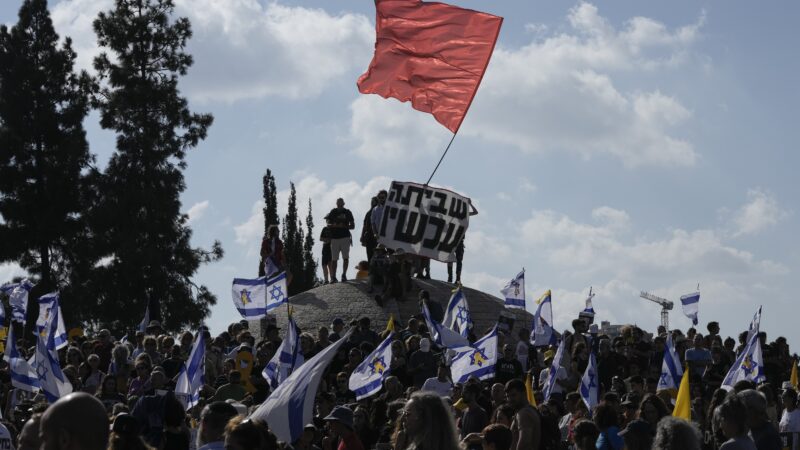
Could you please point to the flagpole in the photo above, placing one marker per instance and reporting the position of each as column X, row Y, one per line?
column 441, row 159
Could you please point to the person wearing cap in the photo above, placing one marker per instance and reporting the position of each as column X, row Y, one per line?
column 638, row 435
column 790, row 419
column 213, row 418
column 340, row 424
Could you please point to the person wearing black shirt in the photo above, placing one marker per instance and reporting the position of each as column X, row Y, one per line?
column 341, row 222
column 508, row 367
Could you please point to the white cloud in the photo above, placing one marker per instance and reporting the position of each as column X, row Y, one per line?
column 759, row 213
column 10, row 270
column 244, row 49
column 558, row 93
column 197, row 211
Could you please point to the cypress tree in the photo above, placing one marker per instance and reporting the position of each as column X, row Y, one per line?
column 45, row 163
column 138, row 214
column 309, row 263
column 270, row 209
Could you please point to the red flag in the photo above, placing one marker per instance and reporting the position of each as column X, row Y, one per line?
column 432, row 54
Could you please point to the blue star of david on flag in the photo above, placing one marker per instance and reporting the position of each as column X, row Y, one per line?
column 463, row 315
column 276, row 293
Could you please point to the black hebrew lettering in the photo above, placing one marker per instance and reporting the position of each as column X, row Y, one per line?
column 458, row 208
column 449, row 242
column 406, row 233
column 410, row 190
column 395, row 192
column 441, row 206
column 392, row 211
column 432, row 242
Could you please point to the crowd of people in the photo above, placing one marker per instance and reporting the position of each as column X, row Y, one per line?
column 123, row 394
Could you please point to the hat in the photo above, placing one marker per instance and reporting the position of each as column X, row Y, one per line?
column 154, row 324
column 628, row 403
column 126, row 424
column 341, row 414
column 637, row 426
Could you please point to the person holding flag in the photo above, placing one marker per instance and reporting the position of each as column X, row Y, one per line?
column 52, row 381
column 287, row 358
column 551, row 375
column 191, row 377
column 514, row 292
column 590, row 384
column 671, row 370
column 749, row 365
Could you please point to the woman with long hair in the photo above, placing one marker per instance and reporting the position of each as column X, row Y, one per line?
column 652, row 409
column 426, row 424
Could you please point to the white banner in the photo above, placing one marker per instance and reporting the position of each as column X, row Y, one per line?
column 425, row 221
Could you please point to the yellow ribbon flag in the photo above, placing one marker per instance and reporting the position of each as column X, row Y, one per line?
column 529, row 389
column 390, row 324
column 793, row 376
column 683, row 404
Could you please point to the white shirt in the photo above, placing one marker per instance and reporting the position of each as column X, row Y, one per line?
column 561, row 374
column 441, row 388
column 522, row 354
column 790, row 423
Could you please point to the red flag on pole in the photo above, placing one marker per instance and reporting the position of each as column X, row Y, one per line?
column 432, row 54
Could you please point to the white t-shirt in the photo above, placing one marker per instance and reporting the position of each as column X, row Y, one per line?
column 522, row 354
column 5, row 438
column 442, row 388
column 790, row 423
column 561, row 374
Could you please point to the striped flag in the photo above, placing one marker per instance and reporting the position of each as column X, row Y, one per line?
column 514, row 292
column 53, row 382
column 691, row 306
column 590, row 385
column 191, row 377
column 22, row 374
column 368, row 377
column 478, row 361
column 671, row 370
column 457, row 316
column 552, row 373
column 286, row 359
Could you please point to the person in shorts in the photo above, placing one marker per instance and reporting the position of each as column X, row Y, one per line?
column 341, row 222
column 325, row 238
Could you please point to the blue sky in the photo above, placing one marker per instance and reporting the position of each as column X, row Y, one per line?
column 622, row 145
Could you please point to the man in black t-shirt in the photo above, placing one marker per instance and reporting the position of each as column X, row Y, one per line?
column 341, row 222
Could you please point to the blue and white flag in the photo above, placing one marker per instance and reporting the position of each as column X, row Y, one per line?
column 18, row 299
column 277, row 291
column 22, row 374
column 691, row 306
column 671, row 369
column 542, row 332
column 457, row 316
column 514, row 292
column 286, row 359
column 53, row 383
column 755, row 325
column 589, row 309
column 290, row 407
column 191, row 377
column 552, row 372
column 590, row 384
column 441, row 335
column 478, row 361
column 250, row 297
column 48, row 304
column 749, row 365
column 146, row 319
column 368, row 377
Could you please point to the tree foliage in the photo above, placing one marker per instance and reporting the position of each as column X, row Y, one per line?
column 145, row 238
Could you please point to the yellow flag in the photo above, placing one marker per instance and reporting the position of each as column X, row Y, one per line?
column 793, row 377
column 390, row 323
column 529, row 389
column 683, row 404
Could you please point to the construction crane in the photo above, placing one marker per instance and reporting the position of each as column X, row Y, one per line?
column 666, row 306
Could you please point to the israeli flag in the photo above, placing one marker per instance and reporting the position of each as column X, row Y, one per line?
column 457, row 316
column 691, row 306
column 542, row 332
column 368, row 377
column 589, row 309
column 441, row 335
column 755, row 324
column 48, row 304
column 749, row 365
column 290, row 407
column 514, row 292
column 671, row 369
column 18, row 299
column 590, row 384
column 286, row 359
column 478, row 361
column 52, row 381
column 22, row 374
column 191, row 377
column 250, row 297
column 552, row 373
column 146, row 320
column 277, row 291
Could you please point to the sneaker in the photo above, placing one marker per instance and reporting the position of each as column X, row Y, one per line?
column 344, row 277
column 334, row 280
column 325, row 282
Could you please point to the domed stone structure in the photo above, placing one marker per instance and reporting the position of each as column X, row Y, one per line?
column 351, row 301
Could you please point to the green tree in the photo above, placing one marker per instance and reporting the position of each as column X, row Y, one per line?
column 293, row 244
column 309, row 263
column 138, row 214
column 45, row 163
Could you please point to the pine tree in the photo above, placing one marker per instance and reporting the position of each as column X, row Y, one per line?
column 292, row 245
column 270, row 209
column 44, row 156
column 139, row 209
column 309, row 263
